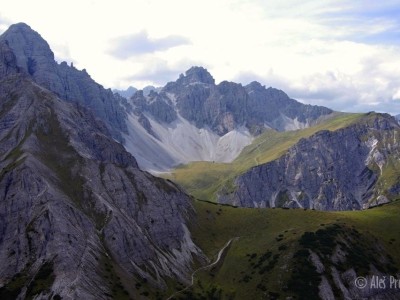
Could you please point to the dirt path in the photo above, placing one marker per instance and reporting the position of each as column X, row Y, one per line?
column 204, row 268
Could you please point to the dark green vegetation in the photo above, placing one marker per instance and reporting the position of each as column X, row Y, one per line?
column 37, row 283
column 278, row 249
column 271, row 258
column 360, row 252
column 204, row 179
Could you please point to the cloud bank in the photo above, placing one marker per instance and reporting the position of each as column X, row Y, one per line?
column 344, row 54
column 140, row 43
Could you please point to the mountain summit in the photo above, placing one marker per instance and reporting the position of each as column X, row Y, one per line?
column 31, row 55
column 190, row 119
column 32, row 52
column 79, row 219
column 196, row 75
column 195, row 119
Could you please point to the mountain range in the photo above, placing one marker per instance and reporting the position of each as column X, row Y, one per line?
column 194, row 119
column 128, row 93
column 83, row 215
column 340, row 170
column 75, row 206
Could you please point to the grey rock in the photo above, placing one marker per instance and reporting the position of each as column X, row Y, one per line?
column 328, row 171
column 150, row 88
column 394, row 190
column 144, row 121
column 229, row 105
column 126, row 93
column 325, row 290
column 8, row 61
column 381, row 199
column 156, row 105
column 348, row 277
column 275, row 108
column 33, row 56
column 130, row 91
column 75, row 207
column 194, row 102
column 196, row 75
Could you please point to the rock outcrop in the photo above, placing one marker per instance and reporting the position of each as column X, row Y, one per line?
column 339, row 262
column 130, row 91
column 8, row 61
column 337, row 170
column 229, row 105
column 24, row 49
column 193, row 103
column 78, row 219
column 194, row 119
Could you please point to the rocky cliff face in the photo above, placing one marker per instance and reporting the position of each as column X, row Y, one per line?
column 78, row 219
column 194, row 119
column 24, row 49
column 342, row 170
column 338, row 262
column 194, row 104
column 228, row 105
column 8, row 61
column 130, row 91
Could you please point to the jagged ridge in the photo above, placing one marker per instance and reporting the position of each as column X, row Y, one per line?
column 228, row 105
column 329, row 171
column 23, row 50
column 194, row 119
column 76, row 209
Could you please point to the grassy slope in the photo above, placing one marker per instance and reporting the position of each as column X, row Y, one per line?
column 273, row 232
column 390, row 175
column 204, row 179
column 276, row 231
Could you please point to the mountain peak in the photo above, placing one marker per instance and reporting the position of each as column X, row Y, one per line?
column 28, row 46
column 196, row 75
column 255, row 85
column 24, row 50
column 20, row 26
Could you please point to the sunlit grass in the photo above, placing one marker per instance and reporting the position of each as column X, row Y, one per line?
column 204, row 179
column 271, row 230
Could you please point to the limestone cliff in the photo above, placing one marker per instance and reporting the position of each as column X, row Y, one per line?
column 78, row 218
column 227, row 105
column 22, row 49
column 341, row 170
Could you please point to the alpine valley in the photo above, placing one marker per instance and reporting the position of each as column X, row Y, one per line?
column 194, row 190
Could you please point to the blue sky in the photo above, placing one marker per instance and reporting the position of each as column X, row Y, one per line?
column 341, row 54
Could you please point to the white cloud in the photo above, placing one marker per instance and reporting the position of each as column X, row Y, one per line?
column 342, row 54
column 396, row 95
column 128, row 46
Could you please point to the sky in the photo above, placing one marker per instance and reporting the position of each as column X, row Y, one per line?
column 341, row 54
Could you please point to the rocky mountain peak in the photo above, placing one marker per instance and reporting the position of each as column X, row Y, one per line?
column 196, row 75
column 23, row 50
column 85, row 207
column 255, row 86
column 30, row 49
